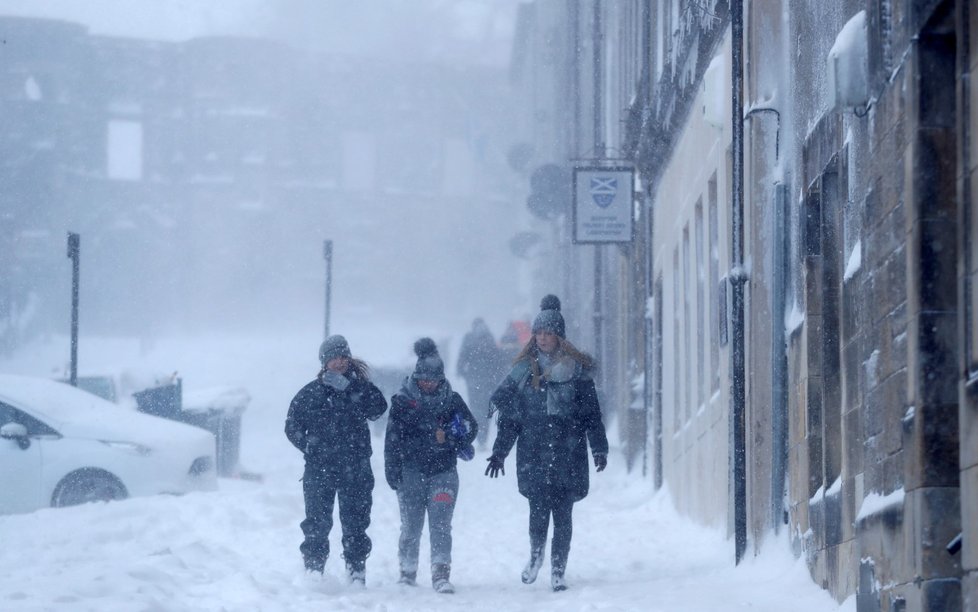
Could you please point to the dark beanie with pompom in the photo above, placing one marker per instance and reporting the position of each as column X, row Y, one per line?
column 430, row 365
column 549, row 318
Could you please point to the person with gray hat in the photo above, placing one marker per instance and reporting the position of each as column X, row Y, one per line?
column 548, row 407
column 429, row 428
column 327, row 422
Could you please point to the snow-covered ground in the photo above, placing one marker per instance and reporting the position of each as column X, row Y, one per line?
column 237, row 548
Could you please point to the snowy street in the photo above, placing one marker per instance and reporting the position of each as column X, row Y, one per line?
column 237, row 548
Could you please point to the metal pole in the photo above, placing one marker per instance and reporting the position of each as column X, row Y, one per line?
column 646, row 102
column 74, row 251
column 328, row 256
column 738, row 278
column 597, row 43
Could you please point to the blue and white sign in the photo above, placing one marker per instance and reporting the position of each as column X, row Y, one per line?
column 603, row 204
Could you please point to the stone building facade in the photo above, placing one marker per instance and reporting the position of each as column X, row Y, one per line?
column 856, row 179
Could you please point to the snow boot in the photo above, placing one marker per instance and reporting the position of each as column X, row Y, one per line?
column 533, row 566
column 356, row 573
column 315, row 566
column 557, row 582
column 439, row 578
column 408, row 578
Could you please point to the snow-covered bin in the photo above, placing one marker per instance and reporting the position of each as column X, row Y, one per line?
column 219, row 410
column 216, row 409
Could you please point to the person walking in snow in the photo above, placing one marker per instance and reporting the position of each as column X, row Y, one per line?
column 480, row 364
column 548, row 408
column 327, row 421
column 428, row 428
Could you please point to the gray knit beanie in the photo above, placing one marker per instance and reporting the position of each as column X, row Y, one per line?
column 549, row 318
column 429, row 366
column 333, row 347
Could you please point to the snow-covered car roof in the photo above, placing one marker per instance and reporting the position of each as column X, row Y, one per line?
column 80, row 413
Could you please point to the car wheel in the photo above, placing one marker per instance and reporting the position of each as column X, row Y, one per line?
column 85, row 486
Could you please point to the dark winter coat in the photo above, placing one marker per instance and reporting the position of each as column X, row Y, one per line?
column 329, row 425
column 412, row 424
column 551, row 427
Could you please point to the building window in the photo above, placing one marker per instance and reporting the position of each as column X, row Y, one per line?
column 687, row 325
column 701, row 322
column 676, row 349
column 124, row 150
column 714, row 336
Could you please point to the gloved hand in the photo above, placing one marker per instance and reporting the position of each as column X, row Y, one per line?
column 311, row 443
column 600, row 461
column 495, row 466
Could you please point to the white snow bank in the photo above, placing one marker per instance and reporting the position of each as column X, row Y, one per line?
column 237, row 548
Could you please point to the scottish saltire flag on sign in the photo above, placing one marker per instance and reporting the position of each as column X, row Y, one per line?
column 603, row 204
column 603, row 190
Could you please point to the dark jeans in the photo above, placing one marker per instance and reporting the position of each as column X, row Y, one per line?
column 561, row 506
column 353, row 485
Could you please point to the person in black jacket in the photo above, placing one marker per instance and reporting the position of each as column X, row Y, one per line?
column 428, row 428
column 548, row 408
column 327, row 421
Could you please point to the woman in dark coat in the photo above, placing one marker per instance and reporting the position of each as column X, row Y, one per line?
column 429, row 428
column 327, row 421
column 548, row 408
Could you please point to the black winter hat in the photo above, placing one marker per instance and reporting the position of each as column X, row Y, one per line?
column 333, row 347
column 429, row 366
column 549, row 318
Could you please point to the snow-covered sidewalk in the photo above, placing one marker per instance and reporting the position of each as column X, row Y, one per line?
column 237, row 548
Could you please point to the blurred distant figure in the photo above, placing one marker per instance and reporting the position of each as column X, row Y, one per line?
column 327, row 422
column 513, row 340
column 480, row 363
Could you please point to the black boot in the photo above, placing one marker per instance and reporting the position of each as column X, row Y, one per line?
column 314, row 566
column 439, row 578
column 533, row 566
column 408, row 578
column 557, row 566
column 356, row 573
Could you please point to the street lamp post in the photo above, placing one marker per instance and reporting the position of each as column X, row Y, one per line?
column 74, row 251
column 328, row 256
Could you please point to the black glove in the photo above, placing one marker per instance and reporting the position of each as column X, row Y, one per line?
column 312, row 442
column 495, row 466
column 600, row 461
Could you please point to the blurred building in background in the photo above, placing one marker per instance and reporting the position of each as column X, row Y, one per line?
column 204, row 175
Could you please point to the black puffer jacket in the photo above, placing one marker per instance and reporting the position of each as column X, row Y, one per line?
column 329, row 425
column 411, row 431
column 551, row 436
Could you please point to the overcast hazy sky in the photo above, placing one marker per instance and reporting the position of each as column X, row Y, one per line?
column 454, row 30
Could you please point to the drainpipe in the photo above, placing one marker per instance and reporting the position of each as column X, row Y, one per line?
column 598, row 110
column 738, row 279
column 646, row 101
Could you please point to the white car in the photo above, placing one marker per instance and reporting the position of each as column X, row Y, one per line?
column 61, row 446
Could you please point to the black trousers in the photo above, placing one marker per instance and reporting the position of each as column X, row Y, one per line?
column 559, row 505
column 353, row 486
